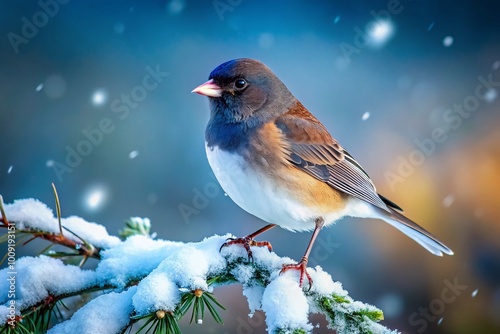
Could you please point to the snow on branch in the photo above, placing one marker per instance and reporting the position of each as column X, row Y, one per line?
column 151, row 283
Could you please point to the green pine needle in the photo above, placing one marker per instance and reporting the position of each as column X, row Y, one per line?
column 160, row 322
column 205, row 299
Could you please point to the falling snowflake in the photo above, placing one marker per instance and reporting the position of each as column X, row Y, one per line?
column 490, row 95
column 133, row 154
column 365, row 116
column 119, row 28
column 381, row 33
column 448, row 201
column 447, row 41
column 99, row 97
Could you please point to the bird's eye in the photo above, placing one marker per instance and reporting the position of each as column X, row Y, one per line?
column 240, row 83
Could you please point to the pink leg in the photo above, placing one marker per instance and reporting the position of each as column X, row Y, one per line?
column 302, row 265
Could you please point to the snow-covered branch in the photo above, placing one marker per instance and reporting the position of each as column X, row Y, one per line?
column 159, row 280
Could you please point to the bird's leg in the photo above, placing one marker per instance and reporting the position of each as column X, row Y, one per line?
column 302, row 265
column 249, row 241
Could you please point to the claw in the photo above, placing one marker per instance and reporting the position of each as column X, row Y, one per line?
column 246, row 242
column 302, row 267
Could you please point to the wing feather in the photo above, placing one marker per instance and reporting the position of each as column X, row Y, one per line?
column 313, row 150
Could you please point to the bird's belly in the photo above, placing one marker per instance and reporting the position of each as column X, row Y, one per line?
column 258, row 194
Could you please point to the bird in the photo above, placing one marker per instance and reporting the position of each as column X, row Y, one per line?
column 278, row 162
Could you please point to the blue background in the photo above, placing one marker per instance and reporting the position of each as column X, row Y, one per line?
column 407, row 85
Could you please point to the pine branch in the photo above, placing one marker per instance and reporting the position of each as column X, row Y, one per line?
column 151, row 284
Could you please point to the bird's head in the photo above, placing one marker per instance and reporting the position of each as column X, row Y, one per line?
column 245, row 90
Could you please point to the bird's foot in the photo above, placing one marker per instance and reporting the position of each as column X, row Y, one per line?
column 302, row 268
column 247, row 242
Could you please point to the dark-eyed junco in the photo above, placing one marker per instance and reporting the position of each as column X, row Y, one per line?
column 279, row 163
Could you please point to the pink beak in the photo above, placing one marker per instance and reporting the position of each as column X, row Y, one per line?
column 209, row 88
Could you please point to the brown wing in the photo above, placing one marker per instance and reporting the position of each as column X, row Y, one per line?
column 313, row 150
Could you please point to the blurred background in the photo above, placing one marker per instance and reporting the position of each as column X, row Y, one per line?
column 409, row 88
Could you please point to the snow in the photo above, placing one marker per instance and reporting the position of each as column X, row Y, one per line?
column 381, row 32
column 254, row 297
column 4, row 314
column 133, row 154
column 156, row 292
column 99, row 97
column 323, row 284
column 98, row 317
column 448, row 201
column 285, row 304
column 31, row 213
column 37, row 278
column 119, row 28
column 162, row 270
column 448, row 41
column 96, row 196
column 490, row 95
column 133, row 258
column 175, row 7
column 365, row 116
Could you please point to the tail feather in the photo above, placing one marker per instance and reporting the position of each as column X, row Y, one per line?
column 417, row 233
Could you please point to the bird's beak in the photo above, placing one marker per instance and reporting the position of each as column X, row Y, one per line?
column 209, row 88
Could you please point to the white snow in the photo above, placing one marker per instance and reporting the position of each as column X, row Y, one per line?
column 448, row 201
column 5, row 312
column 189, row 266
column 365, row 116
column 448, row 41
column 156, row 292
column 38, row 277
column 99, row 97
column 106, row 314
column 474, row 293
column 10, row 169
column 31, row 213
column 490, row 95
column 254, row 297
column 96, row 197
column 133, row 154
column 324, row 285
column 119, row 28
column 175, row 7
column 285, row 304
column 381, row 32
column 133, row 258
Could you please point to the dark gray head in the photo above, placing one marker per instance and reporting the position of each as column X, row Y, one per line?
column 245, row 90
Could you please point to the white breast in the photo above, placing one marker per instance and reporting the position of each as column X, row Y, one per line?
column 259, row 195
